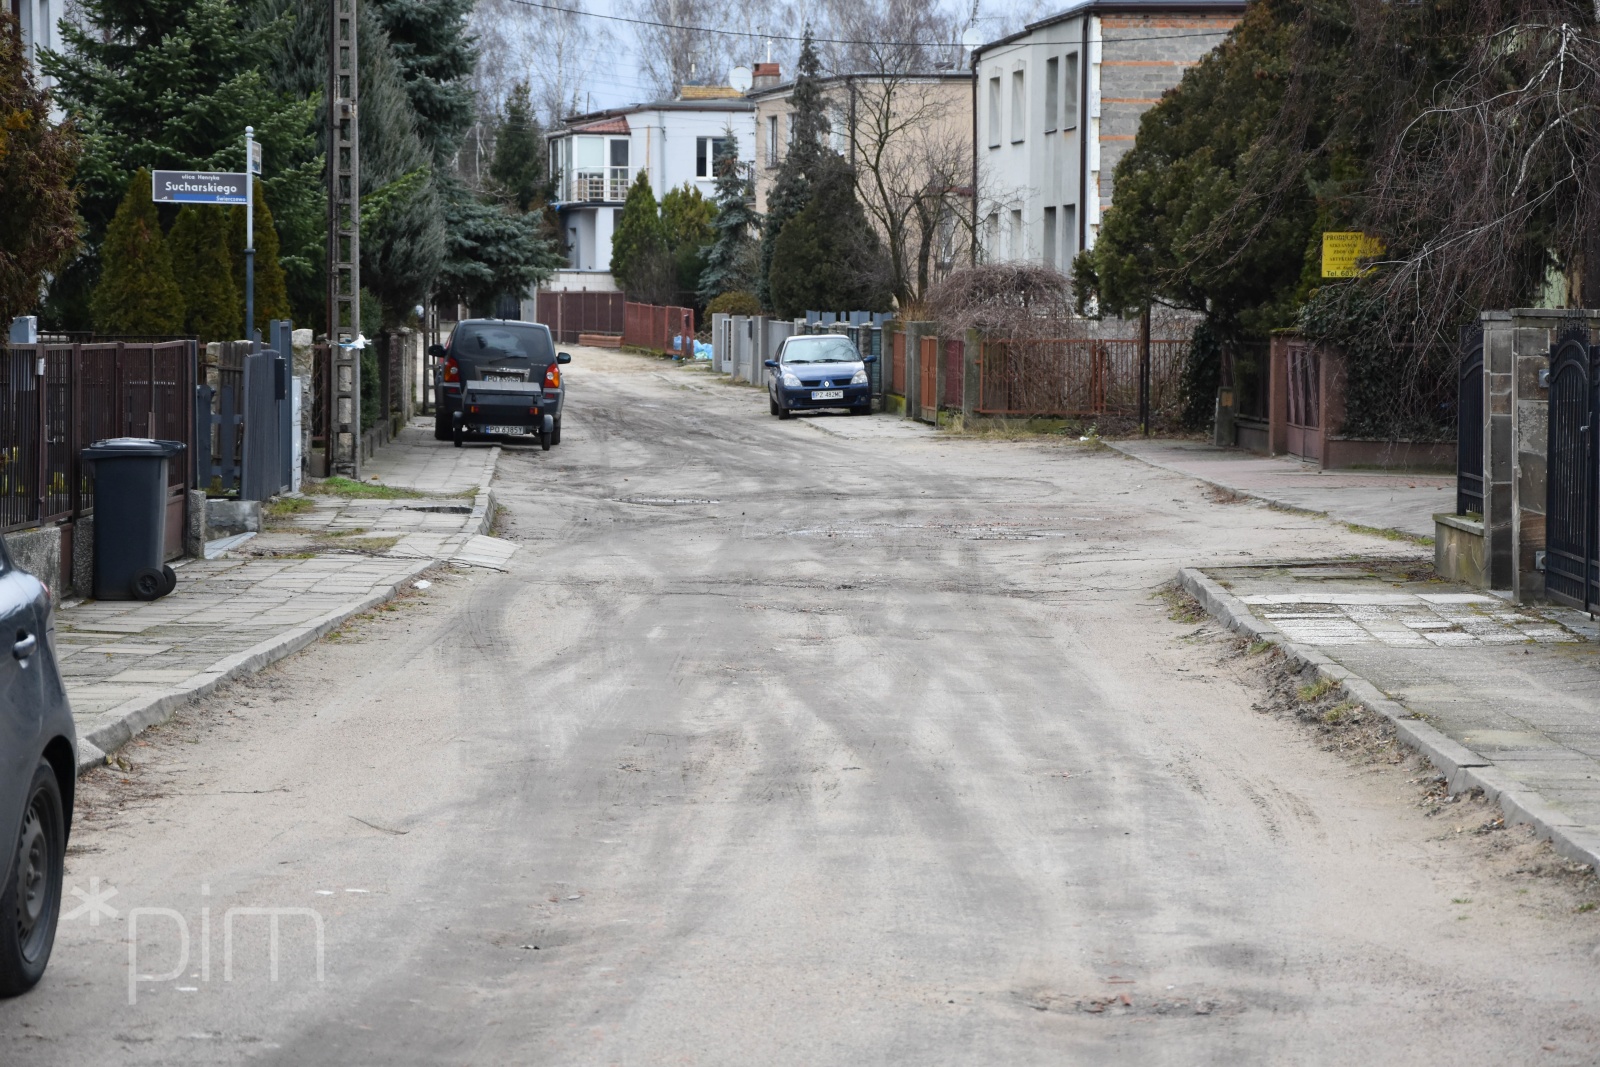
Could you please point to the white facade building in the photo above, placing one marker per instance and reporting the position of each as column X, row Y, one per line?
column 1058, row 104
column 596, row 157
column 39, row 19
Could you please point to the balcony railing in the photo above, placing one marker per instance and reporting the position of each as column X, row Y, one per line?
column 609, row 184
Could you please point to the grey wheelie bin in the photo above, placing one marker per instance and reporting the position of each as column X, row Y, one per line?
column 130, row 517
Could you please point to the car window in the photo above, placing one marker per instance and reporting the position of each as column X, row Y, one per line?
column 833, row 349
column 497, row 340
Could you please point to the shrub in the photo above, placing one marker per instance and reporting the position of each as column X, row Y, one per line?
column 738, row 302
column 136, row 293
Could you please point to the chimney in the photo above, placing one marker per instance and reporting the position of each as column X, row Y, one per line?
column 765, row 76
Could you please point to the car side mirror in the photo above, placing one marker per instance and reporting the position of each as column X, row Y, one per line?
column 770, row 363
column 563, row 357
column 869, row 359
column 436, row 351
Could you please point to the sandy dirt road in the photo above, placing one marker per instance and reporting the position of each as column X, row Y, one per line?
column 795, row 743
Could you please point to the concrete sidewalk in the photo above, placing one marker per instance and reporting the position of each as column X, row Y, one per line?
column 1388, row 501
column 1500, row 697
column 321, row 560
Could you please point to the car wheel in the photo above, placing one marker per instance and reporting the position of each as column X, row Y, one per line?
column 30, row 900
column 772, row 404
column 460, row 433
column 784, row 413
column 555, row 438
column 171, row 577
column 864, row 409
column 441, row 426
column 148, row 583
column 546, row 439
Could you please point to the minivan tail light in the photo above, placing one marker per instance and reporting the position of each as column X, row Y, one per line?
column 552, row 376
column 452, row 370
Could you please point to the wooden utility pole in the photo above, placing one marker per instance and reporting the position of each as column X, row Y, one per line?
column 344, row 242
column 1144, row 371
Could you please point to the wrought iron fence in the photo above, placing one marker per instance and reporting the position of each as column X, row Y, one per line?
column 57, row 399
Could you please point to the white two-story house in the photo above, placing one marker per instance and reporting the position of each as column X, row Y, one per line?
column 596, row 157
column 1058, row 104
column 38, row 20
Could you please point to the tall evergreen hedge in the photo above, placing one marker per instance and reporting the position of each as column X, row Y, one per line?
column 136, row 292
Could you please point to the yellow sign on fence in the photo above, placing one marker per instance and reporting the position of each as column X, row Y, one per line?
column 1342, row 253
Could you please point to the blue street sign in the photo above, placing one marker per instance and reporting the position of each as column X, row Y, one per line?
column 197, row 187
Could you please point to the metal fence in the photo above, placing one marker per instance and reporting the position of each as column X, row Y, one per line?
column 658, row 328
column 57, row 399
column 1074, row 377
column 571, row 314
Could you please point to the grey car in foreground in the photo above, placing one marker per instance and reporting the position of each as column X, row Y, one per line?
column 815, row 371
column 38, row 769
column 519, row 354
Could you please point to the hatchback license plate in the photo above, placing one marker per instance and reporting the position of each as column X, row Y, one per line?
column 504, row 378
column 507, row 430
column 828, row 394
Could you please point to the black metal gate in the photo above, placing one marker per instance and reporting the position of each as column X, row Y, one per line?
column 1469, row 424
column 1571, row 571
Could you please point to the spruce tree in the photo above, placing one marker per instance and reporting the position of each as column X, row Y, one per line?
column 730, row 262
column 136, row 293
column 492, row 251
column 518, row 166
column 639, row 241
column 271, row 293
column 828, row 256
column 38, row 226
column 792, row 189
column 198, row 245
column 436, row 56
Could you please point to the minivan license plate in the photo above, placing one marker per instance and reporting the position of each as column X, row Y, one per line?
column 504, row 378
column 827, row 394
column 507, row 431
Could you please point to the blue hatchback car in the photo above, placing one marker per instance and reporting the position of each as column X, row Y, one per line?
column 38, row 770
column 815, row 371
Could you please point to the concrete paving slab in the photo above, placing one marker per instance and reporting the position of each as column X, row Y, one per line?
column 1385, row 500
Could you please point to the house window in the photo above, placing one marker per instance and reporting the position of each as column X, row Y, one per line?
column 619, row 153
column 1069, row 235
column 1018, row 249
column 705, row 155
column 1052, row 90
column 991, row 236
column 1019, row 106
column 1049, row 239
column 772, row 140
column 1069, row 112
column 994, row 112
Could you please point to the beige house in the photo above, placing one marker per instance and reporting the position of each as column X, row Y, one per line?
column 909, row 139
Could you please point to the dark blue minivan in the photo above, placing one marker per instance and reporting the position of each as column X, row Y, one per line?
column 38, row 770
column 815, row 371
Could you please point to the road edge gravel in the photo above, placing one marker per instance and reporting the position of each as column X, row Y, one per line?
column 139, row 714
column 1463, row 768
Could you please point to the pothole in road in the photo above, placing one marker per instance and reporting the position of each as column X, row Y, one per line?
column 667, row 501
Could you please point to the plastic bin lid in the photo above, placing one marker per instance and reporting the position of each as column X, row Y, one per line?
column 127, row 447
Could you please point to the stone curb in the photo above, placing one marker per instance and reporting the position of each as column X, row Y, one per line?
column 139, row 714
column 1463, row 768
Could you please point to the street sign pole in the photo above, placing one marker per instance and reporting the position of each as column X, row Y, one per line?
column 249, row 234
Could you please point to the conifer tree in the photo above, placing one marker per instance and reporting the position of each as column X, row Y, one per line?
column 271, row 295
column 792, row 189
column 198, row 245
column 730, row 264
column 640, row 239
column 829, row 256
column 136, row 293
column 518, row 165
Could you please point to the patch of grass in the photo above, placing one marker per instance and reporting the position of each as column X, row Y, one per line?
column 1316, row 690
column 370, row 545
column 286, row 506
column 1461, row 900
column 1181, row 607
column 354, row 532
column 1257, row 647
column 1388, row 534
column 1339, row 712
column 339, row 485
column 1588, row 905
